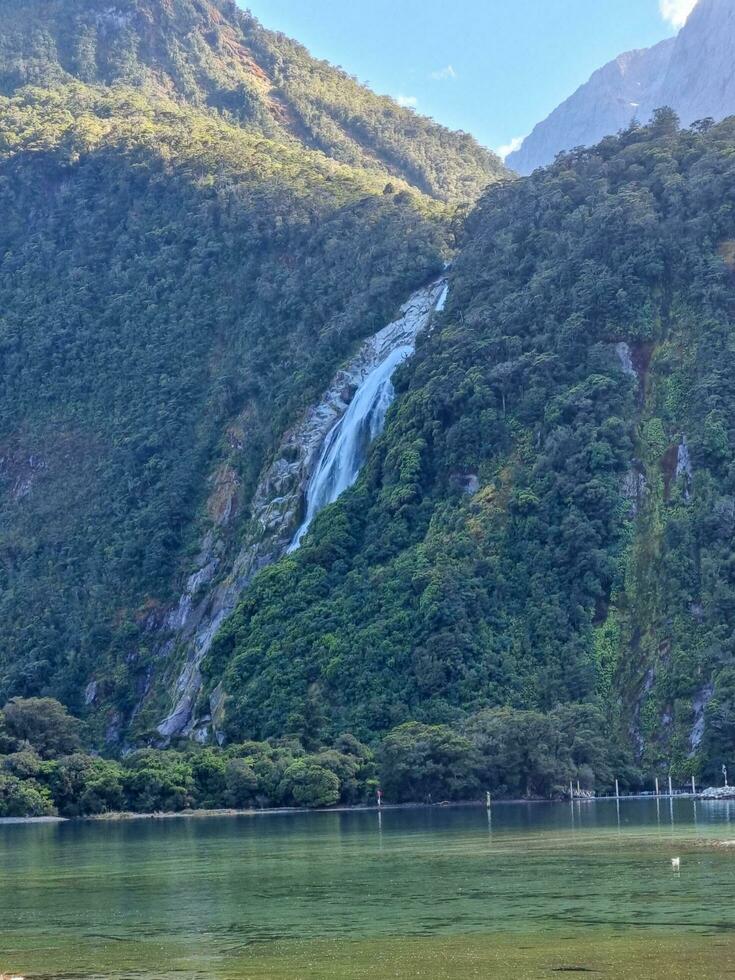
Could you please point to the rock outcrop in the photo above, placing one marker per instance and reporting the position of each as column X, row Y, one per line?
column 693, row 73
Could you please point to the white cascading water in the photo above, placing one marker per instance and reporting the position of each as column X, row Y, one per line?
column 326, row 450
column 443, row 297
column 347, row 444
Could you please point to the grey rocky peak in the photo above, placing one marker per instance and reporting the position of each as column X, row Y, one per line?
column 700, row 79
column 693, row 73
column 608, row 102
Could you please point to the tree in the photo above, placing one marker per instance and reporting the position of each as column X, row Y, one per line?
column 531, row 754
column 719, row 737
column 241, row 783
column 209, row 771
column 158, row 781
column 7, row 742
column 665, row 122
column 19, row 798
column 308, row 784
column 426, row 762
column 45, row 724
column 81, row 784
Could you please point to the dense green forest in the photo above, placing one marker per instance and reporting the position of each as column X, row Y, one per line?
column 177, row 294
column 548, row 517
column 46, row 770
column 217, row 57
column 532, row 581
column 200, row 224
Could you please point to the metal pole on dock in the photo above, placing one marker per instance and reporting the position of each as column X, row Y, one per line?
column 571, row 790
column 671, row 792
column 617, row 790
column 694, row 787
column 657, row 792
column 488, row 799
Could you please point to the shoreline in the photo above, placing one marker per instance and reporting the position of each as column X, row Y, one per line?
column 121, row 816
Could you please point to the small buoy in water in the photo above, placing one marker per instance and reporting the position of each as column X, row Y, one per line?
column 676, row 864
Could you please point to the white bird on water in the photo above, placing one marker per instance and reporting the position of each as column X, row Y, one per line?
column 676, row 864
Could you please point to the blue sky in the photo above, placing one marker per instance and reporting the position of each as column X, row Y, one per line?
column 491, row 67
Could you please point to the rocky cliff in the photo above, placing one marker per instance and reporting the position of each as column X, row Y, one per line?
column 700, row 78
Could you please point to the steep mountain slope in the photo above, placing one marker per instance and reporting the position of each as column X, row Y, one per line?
column 176, row 290
column 201, row 224
column 214, row 55
column 693, row 73
column 700, row 81
column 549, row 515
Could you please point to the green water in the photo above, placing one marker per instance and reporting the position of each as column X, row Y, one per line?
column 537, row 891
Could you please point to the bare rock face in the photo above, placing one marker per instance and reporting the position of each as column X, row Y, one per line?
column 693, row 73
column 700, row 80
column 211, row 592
column 699, row 707
column 607, row 103
column 19, row 472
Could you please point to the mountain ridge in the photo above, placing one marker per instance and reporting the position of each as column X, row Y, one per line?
column 179, row 293
column 224, row 220
column 215, row 56
column 543, row 530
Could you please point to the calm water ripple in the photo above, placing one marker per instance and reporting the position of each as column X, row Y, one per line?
column 527, row 892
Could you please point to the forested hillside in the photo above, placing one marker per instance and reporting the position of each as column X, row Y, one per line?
column 533, row 578
column 173, row 292
column 200, row 224
column 217, row 57
column 549, row 516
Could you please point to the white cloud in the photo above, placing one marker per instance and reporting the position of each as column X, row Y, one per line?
column 676, row 12
column 508, row 148
column 443, row 74
column 407, row 101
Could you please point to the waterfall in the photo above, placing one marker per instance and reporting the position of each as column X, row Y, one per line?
column 318, row 459
column 348, row 441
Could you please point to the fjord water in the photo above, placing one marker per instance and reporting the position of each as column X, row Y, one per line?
column 525, row 892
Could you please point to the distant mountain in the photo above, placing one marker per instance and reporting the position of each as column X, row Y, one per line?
column 605, row 104
column 214, row 55
column 693, row 73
